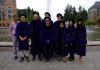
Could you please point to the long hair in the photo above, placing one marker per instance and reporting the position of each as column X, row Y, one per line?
column 49, row 20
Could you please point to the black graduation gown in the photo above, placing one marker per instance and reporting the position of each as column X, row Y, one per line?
column 73, row 40
column 35, row 27
column 81, row 40
column 47, row 34
column 60, row 34
column 55, row 30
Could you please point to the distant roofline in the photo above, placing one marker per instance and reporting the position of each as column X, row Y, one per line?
column 97, row 2
column 93, row 5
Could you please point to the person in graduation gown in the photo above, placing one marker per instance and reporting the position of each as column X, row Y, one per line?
column 35, row 27
column 72, row 48
column 55, row 29
column 66, row 42
column 22, row 33
column 82, row 41
column 47, row 38
column 60, row 33
column 59, row 27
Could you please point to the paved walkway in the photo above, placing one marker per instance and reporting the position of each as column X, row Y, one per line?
column 91, row 62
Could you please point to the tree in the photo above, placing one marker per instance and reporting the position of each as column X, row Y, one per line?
column 74, row 13
column 28, row 12
column 68, row 13
column 82, row 14
column 71, row 13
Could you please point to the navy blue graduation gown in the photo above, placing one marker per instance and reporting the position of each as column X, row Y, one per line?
column 66, row 41
column 73, row 35
column 66, row 36
column 72, row 48
column 35, row 29
column 47, row 34
column 55, row 30
column 81, row 40
column 60, row 34
column 23, row 30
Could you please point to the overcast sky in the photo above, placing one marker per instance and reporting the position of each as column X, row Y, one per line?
column 56, row 6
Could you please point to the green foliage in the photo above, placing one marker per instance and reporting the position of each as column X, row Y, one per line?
column 98, row 21
column 72, row 13
column 28, row 12
column 89, row 22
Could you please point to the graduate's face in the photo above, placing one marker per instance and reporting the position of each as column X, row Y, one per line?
column 61, row 25
column 36, row 16
column 59, row 18
column 70, row 23
column 47, row 21
column 75, row 23
column 67, row 24
column 79, row 22
column 23, row 18
column 46, row 15
column 15, row 18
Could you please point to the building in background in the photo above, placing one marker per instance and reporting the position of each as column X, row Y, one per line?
column 94, row 11
column 7, row 10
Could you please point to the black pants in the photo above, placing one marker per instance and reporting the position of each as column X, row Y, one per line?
column 36, row 49
column 72, row 48
column 47, row 51
column 64, row 51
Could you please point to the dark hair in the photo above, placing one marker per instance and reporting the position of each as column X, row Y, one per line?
column 73, row 21
column 62, row 22
column 59, row 14
column 36, row 13
column 14, row 16
column 80, row 20
column 23, row 15
column 49, row 19
column 48, row 14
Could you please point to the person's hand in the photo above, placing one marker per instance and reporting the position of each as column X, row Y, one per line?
column 21, row 38
column 24, row 38
column 48, row 41
column 66, row 45
column 71, row 44
column 75, row 25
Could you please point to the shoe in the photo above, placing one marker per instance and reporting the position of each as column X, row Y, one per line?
column 70, row 59
column 40, row 59
column 15, row 57
column 33, row 59
column 65, row 59
column 47, row 60
column 22, row 59
column 27, row 59
column 80, row 60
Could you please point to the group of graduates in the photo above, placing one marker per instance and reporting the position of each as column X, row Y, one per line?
column 59, row 39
